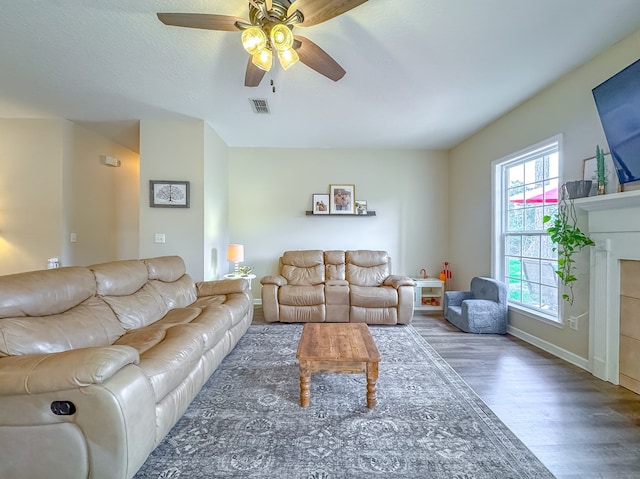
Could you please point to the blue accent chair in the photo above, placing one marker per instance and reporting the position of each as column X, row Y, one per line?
column 482, row 310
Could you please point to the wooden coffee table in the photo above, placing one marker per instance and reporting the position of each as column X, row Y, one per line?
column 337, row 348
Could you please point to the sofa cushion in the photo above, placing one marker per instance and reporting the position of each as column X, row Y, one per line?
column 123, row 285
column 334, row 265
column 165, row 268
column 136, row 310
column 303, row 267
column 119, row 278
column 46, row 292
column 367, row 268
column 301, row 295
column 373, row 297
column 178, row 293
column 91, row 323
column 169, row 362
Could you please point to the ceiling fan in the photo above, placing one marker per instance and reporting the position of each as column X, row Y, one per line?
column 269, row 31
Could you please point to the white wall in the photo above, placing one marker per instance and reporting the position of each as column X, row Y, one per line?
column 270, row 190
column 566, row 107
column 101, row 202
column 51, row 184
column 216, row 205
column 186, row 150
column 31, row 173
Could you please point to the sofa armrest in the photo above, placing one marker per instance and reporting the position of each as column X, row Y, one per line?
column 276, row 280
column 41, row 373
column 221, row 286
column 395, row 281
column 455, row 298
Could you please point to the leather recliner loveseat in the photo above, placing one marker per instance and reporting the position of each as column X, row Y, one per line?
column 97, row 364
column 337, row 286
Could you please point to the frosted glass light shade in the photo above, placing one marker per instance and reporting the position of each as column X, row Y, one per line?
column 263, row 59
column 281, row 37
column 287, row 58
column 254, row 40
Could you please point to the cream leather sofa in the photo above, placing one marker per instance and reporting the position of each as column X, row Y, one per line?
column 98, row 363
column 337, row 286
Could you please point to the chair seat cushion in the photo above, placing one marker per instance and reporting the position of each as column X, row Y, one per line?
column 374, row 296
column 301, row 295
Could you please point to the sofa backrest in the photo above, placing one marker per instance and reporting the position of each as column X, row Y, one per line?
column 367, row 268
column 53, row 310
column 303, row 267
column 123, row 285
column 168, row 275
column 334, row 264
column 489, row 288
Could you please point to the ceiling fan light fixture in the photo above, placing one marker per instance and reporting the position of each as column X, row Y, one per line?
column 254, row 40
column 281, row 37
column 263, row 59
column 287, row 58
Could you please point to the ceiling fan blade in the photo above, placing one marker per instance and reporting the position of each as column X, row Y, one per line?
column 315, row 57
column 315, row 11
column 207, row 21
column 253, row 75
column 268, row 4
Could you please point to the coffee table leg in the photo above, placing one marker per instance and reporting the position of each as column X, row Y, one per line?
column 372, row 377
column 305, row 384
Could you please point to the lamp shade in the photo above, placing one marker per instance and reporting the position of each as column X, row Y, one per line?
column 254, row 40
column 263, row 59
column 235, row 253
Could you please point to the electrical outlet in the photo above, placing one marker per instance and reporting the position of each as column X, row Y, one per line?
column 73, row 237
column 159, row 238
column 573, row 323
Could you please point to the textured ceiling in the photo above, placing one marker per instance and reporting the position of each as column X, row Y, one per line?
column 420, row 73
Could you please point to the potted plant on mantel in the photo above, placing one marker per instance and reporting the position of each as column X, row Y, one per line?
column 568, row 239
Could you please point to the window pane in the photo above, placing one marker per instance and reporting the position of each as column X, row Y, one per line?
column 514, row 245
column 529, row 191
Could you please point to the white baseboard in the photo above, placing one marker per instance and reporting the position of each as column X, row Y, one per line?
column 550, row 348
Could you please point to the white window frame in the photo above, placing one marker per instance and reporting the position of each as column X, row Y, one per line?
column 498, row 220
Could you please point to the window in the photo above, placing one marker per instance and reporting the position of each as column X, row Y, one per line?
column 526, row 189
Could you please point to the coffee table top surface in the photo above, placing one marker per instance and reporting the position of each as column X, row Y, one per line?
column 337, row 342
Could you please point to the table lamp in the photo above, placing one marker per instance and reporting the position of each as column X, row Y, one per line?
column 235, row 254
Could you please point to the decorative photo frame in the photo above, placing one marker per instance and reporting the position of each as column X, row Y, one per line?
column 168, row 194
column 590, row 172
column 342, row 199
column 361, row 207
column 320, row 204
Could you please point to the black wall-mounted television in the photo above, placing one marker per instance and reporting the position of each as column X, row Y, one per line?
column 618, row 103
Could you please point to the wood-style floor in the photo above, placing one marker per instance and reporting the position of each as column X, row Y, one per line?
column 579, row 426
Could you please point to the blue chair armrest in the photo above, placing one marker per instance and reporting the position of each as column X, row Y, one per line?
column 455, row 298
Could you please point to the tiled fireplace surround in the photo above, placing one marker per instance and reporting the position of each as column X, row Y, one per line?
column 614, row 225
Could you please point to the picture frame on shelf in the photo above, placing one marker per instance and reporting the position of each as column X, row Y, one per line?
column 361, row 207
column 342, row 199
column 168, row 194
column 590, row 172
column 320, row 204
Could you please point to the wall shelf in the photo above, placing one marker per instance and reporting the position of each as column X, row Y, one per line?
column 369, row 213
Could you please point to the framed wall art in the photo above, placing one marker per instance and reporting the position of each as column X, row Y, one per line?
column 342, row 199
column 361, row 207
column 320, row 204
column 168, row 194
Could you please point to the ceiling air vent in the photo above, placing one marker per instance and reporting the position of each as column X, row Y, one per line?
column 259, row 105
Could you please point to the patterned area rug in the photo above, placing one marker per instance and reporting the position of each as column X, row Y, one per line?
column 247, row 422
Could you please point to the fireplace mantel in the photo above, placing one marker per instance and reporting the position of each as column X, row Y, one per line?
column 627, row 199
column 614, row 226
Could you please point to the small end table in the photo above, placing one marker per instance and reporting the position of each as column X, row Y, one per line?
column 248, row 277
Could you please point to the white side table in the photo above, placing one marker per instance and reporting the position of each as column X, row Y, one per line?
column 429, row 294
column 248, row 277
